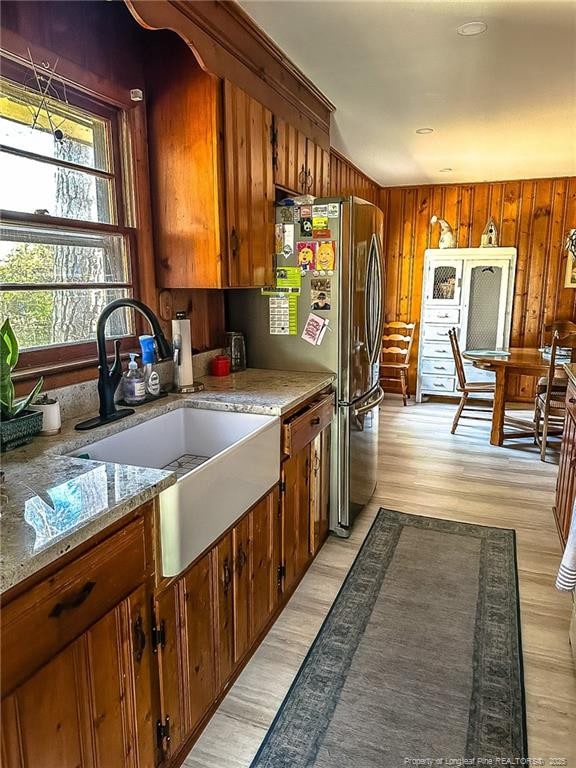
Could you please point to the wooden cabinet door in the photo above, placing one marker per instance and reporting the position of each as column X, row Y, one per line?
column 242, row 584
column 198, row 640
column 319, row 490
column 90, row 705
column 289, row 157
column 318, row 170
column 264, row 576
column 566, row 481
column 185, row 169
column 249, row 189
column 295, row 516
column 224, row 566
column 168, row 621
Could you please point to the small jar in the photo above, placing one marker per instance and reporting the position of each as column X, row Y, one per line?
column 220, row 365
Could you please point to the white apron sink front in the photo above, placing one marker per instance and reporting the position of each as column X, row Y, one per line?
column 225, row 462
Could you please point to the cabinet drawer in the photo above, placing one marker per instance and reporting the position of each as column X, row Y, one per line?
column 441, row 384
column 437, row 349
column 303, row 426
column 439, row 315
column 439, row 367
column 436, row 332
column 478, row 374
column 42, row 621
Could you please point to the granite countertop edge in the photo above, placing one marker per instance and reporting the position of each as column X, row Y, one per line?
column 39, row 459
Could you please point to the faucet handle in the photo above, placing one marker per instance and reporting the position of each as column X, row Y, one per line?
column 116, row 367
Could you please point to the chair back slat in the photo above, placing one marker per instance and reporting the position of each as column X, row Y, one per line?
column 394, row 351
column 396, row 337
column 460, row 373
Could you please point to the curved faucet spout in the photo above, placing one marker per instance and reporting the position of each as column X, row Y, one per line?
column 109, row 377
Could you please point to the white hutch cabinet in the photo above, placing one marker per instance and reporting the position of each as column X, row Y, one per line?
column 470, row 289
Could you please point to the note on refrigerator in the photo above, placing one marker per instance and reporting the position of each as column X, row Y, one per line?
column 315, row 329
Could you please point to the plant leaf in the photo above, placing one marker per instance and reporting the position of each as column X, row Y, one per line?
column 21, row 405
column 11, row 344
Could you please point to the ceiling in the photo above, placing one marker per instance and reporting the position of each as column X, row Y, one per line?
column 502, row 104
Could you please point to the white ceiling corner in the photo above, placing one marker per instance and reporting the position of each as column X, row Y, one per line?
column 502, row 104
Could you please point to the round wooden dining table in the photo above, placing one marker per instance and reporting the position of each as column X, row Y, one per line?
column 522, row 361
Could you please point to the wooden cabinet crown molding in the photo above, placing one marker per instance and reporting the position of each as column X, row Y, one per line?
column 227, row 43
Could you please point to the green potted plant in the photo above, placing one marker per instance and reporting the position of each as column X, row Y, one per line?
column 17, row 424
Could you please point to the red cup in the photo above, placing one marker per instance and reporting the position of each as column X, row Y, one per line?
column 220, row 365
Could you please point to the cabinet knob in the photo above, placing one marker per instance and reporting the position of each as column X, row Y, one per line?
column 315, row 422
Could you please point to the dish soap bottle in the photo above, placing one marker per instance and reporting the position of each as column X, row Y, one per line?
column 133, row 385
column 151, row 378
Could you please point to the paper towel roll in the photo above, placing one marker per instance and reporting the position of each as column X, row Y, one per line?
column 182, row 343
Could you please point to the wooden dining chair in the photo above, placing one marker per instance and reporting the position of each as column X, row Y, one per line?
column 466, row 388
column 395, row 354
column 550, row 401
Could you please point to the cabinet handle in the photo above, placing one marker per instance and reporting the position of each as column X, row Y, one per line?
column 227, row 575
column 241, row 562
column 439, row 368
column 302, row 178
column 315, row 422
column 74, row 601
column 139, row 639
column 234, row 241
column 572, row 400
column 309, row 181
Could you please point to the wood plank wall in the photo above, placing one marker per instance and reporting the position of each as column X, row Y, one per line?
column 347, row 179
column 533, row 215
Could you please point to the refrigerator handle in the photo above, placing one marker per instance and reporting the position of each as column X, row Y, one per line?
column 371, row 404
column 379, row 288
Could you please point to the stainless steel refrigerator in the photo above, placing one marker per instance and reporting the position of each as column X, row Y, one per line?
column 353, row 291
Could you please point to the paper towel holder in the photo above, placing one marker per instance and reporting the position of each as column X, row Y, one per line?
column 182, row 346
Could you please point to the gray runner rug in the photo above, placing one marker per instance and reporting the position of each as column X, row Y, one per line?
column 419, row 661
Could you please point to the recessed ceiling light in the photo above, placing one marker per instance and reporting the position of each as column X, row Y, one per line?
column 472, row 28
column 424, row 130
column 445, row 170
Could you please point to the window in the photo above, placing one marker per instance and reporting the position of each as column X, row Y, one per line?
column 64, row 249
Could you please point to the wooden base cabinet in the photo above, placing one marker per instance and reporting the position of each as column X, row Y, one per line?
column 105, row 663
column 566, row 482
column 206, row 623
column 77, row 685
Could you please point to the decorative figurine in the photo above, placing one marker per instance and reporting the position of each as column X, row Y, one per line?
column 446, row 234
column 489, row 237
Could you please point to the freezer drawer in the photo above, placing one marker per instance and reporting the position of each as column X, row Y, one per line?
column 357, row 459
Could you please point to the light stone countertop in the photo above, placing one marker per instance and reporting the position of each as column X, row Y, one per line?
column 52, row 503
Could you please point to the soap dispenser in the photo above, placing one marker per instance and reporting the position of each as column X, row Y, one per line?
column 151, row 378
column 133, row 385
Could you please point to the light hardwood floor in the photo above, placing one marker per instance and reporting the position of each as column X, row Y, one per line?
column 424, row 470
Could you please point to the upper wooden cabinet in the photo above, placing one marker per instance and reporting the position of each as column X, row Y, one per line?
column 211, row 176
column 249, row 189
column 300, row 165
